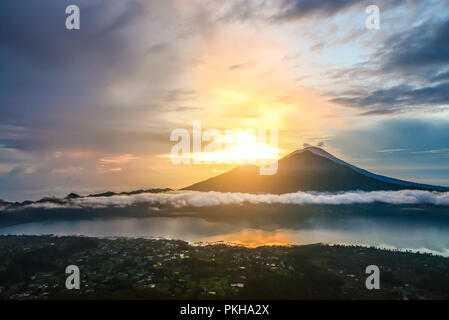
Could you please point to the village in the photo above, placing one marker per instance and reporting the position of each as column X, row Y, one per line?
column 33, row 268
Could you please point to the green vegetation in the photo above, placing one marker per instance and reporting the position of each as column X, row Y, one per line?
column 33, row 267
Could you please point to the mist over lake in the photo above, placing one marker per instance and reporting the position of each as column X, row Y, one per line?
column 420, row 227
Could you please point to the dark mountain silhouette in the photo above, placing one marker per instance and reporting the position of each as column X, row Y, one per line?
column 72, row 196
column 110, row 193
column 308, row 169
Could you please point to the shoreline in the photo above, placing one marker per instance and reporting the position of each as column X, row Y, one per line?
column 250, row 245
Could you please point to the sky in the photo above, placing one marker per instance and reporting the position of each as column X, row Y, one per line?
column 93, row 109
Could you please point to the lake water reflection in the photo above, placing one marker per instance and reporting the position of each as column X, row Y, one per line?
column 426, row 238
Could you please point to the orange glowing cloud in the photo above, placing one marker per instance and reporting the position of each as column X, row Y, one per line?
column 109, row 163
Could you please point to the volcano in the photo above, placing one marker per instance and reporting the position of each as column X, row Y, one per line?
column 308, row 169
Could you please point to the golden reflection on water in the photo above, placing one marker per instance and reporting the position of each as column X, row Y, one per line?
column 253, row 238
column 247, row 244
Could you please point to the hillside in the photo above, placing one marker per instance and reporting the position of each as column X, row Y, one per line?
column 309, row 169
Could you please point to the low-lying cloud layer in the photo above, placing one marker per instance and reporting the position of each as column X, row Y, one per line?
column 205, row 199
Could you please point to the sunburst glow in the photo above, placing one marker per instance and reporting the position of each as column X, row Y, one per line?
column 238, row 147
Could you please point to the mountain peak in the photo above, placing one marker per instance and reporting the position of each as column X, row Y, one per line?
column 307, row 169
column 306, row 148
column 319, row 152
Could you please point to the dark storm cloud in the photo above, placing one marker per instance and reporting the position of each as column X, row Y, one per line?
column 418, row 60
column 36, row 30
column 423, row 46
column 54, row 81
column 50, row 75
column 287, row 11
column 397, row 98
column 440, row 77
column 295, row 9
column 57, row 88
column 51, row 64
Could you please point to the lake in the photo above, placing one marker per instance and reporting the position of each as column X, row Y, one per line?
column 404, row 232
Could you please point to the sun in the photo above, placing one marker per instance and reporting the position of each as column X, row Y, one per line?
column 241, row 147
column 236, row 147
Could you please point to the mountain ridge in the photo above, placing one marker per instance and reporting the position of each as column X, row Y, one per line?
column 307, row 169
column 325, row 173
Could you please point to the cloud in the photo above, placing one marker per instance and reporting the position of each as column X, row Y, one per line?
column 244, row 65
column 296, row 9
column 445, row 151
column 134, row 71
column 58, row 69
column 442, row 76
column 398, row 98
column 207, row 199
column 391, row 150
column 95, row 88
column 101, row 90
column 119, row 159
column 290, row 11
column 320, row 144
column 405, row 72
column 424, row 45
column 110, row 163
column 318, row 47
